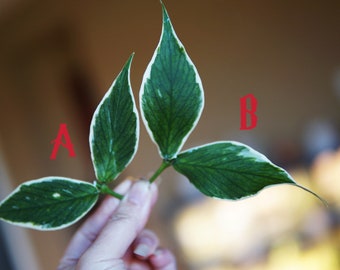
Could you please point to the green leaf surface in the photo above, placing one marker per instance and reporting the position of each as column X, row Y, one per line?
column 114, row 130
column 229, row 170
column 171, row 95
column 49, row 203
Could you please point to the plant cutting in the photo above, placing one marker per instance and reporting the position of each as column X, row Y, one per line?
column 171, row 102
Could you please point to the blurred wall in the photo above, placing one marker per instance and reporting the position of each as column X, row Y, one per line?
column 57, row 59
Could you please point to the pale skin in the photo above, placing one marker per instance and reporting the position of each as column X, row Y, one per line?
column 114, row 237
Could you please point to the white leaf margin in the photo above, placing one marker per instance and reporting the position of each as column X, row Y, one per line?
column 260, row 158
column 135, row 111
column 31, row 225
column 147, row 74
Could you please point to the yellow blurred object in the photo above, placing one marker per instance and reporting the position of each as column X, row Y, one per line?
column 326, row 174
column 215, row 229
column 217, row 234
column 323, row 256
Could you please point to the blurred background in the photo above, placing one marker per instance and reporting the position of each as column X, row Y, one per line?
column 58, row 58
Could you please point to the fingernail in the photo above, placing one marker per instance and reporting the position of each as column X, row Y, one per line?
column 138, row 192
column 142, row 250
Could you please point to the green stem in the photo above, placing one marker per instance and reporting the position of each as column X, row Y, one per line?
column 165, row 164
column 106, row 190
column 103, row 188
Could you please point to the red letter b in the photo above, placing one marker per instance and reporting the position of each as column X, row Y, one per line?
column 251, row 111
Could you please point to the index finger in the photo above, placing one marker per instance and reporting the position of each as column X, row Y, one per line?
column 89, row 230
column 124, row 225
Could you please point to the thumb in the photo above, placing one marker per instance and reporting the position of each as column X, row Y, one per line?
column 121, row 229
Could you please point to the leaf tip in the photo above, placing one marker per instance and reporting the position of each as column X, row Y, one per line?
column 130, row 59
column 165, row 13
column 114, row 129
column 325, row 203
column 127, row 65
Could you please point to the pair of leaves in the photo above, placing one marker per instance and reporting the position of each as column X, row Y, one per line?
column 171, row 101
column 52, row 203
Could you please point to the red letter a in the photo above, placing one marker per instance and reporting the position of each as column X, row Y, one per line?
column 58, row 142
column 251, row 111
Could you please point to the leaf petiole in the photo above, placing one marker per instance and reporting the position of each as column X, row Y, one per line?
column 165, row 164
column 103, row 188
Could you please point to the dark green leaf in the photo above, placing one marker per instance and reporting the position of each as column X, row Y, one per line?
column 229, row 170
column 48, row 203
column 171, row 94
column 114, row 129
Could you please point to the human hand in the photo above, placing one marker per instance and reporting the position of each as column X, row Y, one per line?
column 114, row 238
